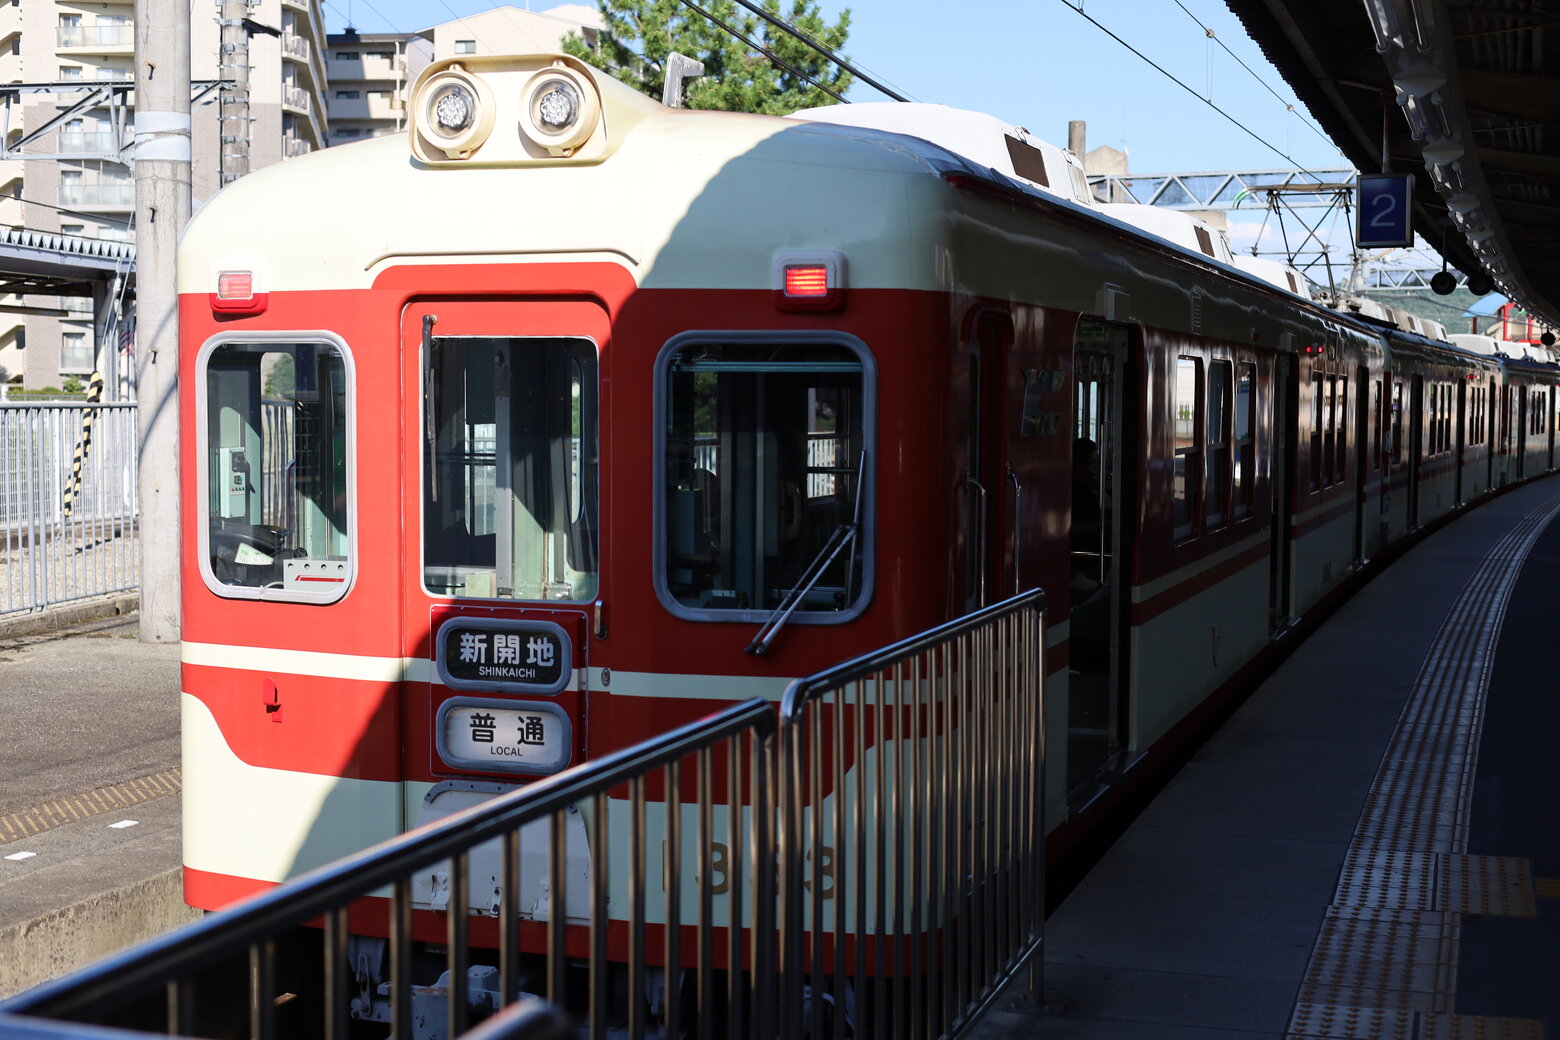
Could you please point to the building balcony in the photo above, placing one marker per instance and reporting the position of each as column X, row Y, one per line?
column 100, row 142
column 295, row 46
column 296, row 100
column 100, row 196
column 361, row 109
column 293, row 147
column 116, row 40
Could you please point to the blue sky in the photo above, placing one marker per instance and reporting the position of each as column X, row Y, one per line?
column 1039, row 63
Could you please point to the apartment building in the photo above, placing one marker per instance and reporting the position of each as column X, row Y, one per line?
column 84, row 52
column 370, row 72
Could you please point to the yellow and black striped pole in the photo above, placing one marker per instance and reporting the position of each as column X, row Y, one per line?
column 84, row 445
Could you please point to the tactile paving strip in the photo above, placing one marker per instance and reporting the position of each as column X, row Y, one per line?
column 58, row 813
column 1385, row 959
column 1492, row 885
column 1480, row 1027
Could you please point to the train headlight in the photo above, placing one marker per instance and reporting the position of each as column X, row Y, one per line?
column 454, row 113
column 453, row 109
column 559, row 109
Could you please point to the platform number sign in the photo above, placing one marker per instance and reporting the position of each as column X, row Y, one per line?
column 1384, row 217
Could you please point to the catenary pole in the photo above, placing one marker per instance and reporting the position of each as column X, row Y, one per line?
column 162, row 207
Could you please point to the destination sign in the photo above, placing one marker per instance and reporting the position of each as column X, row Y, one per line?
column 504, row 654
column 494, row 736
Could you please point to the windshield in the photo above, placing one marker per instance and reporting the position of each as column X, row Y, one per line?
column 509, row 483
column 762, row 444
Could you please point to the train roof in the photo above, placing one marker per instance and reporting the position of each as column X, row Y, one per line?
column 1275, row 273
column 983, row 139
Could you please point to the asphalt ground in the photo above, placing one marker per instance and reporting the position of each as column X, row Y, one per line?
column 89, row 805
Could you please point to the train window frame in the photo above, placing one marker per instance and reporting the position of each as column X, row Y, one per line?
column 577, row 484
column 1188, row 460
column 1217, row 423
column 1243, row 480
column 1318, row 431
column 865, row 543
column 326, row 593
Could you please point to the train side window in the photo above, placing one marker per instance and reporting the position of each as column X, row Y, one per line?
column 1376, row 424
column 509, row 468
column 1218, row 439
column 1432, row 417
column 1318, row 419
column 1245, row 439
column 275, row 422
column 763, row 484
column 1188, row 437
column 1395, row 431
column 1338, row 426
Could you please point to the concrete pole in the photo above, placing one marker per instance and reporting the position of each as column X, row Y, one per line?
column 233, row 67
column 162, row 208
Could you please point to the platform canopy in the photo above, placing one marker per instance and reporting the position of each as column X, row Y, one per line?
column 1465, row 98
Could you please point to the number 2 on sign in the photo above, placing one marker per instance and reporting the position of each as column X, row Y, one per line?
column 1385, row 206
column 720, row 870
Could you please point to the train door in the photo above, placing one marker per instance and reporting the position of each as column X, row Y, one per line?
column 502, row 460
column 1362, row 512
column 1416, row 446
column 1104, row 489
column 982, row 482
column 1285, row 426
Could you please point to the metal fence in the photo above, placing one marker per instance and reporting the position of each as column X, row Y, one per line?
column 912, row 828
column 67, row 503
column 868, row 863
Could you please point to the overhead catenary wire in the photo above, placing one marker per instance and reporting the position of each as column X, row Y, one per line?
column 828, row 54
column 1078, row 9
column 1289, row 105
column 766, row 52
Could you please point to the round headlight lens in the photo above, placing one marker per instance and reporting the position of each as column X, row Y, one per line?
column 453, row 109
column 557, row 105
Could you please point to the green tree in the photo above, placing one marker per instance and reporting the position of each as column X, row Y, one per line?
column 641, row 34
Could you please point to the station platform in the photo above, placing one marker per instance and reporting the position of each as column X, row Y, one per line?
column 89, row 794
column 1366, row 848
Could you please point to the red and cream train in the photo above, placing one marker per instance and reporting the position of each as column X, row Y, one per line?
column 501, row 447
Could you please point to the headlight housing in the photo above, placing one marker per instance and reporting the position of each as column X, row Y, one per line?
column 558, row 109
column 454, row 113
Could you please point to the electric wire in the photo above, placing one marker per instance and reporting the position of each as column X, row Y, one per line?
column 766, row 52
column 1180, row 83
column 1265, row 86
column 821, row 49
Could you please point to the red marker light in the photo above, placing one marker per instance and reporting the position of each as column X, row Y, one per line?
column 235, row 285
column 809, row 280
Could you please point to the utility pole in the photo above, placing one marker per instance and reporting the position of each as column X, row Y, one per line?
column 233, row 69
column 162, row 208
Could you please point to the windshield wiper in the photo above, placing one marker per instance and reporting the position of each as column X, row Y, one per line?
column 844, row 535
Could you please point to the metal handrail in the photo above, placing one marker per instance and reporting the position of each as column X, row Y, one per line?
column 916, row 770
column 945, row 734
column 327, row 890
column 803, row 690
